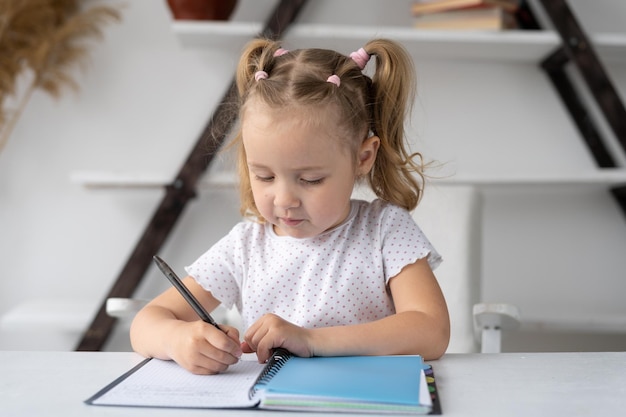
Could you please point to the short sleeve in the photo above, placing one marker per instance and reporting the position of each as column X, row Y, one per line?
column 403, row 242
column 218, row 270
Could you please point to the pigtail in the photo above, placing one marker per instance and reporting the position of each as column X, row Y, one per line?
column 397, row 173
column 257, row 56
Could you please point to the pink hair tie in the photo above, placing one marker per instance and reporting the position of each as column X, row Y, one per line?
column 360, row 57
column 334, row 79
column 260, row 75
column 280, row 52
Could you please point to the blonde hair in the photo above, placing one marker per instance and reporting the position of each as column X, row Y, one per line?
column 365, row 105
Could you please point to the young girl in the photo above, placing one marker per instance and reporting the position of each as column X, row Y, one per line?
column 314, row 272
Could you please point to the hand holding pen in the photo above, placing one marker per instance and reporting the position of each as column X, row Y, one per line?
column 217, row 365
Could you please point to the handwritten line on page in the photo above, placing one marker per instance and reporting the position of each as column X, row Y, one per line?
column 166, row 384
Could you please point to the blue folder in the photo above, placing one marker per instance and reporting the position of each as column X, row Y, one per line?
column 364, row 383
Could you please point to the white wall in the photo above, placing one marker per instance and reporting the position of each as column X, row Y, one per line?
column 144, row 100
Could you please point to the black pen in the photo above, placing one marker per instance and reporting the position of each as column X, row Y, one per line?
column 178, row 284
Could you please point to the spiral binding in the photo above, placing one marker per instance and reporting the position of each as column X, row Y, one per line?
column 274, row 364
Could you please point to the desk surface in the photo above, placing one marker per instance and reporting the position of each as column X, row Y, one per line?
column 509, row 384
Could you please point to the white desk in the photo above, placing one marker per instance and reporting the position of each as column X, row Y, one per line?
column 510, row 384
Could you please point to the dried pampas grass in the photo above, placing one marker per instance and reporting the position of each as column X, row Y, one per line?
column 40, row 42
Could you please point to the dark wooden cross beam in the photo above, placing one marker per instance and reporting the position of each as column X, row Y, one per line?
column 578, row 49
column 554, row 66
column 179, row 192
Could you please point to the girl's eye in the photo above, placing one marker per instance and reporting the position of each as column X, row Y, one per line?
column 263, row 179
column 312, row 182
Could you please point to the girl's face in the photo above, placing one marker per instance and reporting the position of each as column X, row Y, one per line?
column 301, row 178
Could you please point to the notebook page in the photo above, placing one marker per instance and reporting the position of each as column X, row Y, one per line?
column 424, row 393
column 165, row 384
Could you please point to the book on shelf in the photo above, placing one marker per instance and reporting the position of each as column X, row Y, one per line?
column 484, row 18
column 420, row 7
column 356, row 384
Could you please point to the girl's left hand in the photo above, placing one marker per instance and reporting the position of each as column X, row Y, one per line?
column 270, row 332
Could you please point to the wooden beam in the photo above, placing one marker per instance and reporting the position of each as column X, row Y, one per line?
column 577, row 48
column 581, row 51
column 554, row 66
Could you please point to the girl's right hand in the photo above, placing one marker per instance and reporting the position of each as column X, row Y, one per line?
column 203, row 349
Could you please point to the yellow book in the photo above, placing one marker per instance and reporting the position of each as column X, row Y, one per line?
column 486, row 18
column 434, row 6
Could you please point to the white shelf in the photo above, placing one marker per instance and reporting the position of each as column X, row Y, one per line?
column 601, row 178
column 118, row 180
column 511, row 45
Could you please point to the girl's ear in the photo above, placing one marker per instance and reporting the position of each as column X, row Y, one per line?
column 367, row 155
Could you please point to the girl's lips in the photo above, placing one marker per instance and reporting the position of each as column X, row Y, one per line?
column 291, row 222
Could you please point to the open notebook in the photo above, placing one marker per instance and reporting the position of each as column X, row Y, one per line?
column 363, row 384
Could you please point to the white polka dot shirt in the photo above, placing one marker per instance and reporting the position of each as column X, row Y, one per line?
column 336, row 278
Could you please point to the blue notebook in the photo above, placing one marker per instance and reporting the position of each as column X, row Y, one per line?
column 349, row 383
column 360, row 384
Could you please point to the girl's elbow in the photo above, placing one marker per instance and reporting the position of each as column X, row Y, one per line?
column 439, row 342
column 438, row 350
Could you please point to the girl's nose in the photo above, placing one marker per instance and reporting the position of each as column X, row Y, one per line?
column 285, row 197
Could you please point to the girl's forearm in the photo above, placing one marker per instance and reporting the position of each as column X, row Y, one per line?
column 408, row 332
column 150, row 331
